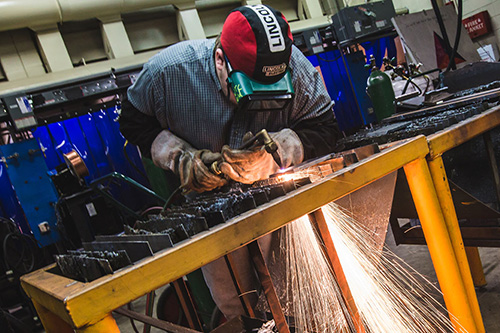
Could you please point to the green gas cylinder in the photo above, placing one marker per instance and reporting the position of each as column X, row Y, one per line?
column 379, row 88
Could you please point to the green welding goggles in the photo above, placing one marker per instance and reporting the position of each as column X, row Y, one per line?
column 252, row 95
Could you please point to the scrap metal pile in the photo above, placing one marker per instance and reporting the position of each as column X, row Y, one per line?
column 87, row 266
column 409, row 125
column 107, row 254
column 462, row 105
column 478, row 89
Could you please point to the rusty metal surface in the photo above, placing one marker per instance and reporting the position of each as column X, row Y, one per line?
column 267, row 284
column 371, row 206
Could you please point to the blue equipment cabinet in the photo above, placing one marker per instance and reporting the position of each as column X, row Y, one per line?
column 25, row 165
column 346, row 86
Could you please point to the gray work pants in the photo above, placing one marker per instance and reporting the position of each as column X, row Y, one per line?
column 221, row 285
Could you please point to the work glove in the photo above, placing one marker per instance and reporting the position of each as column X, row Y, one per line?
column 190, row 165
column 249, row 165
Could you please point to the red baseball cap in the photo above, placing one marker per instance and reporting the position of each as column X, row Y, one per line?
column 257, row 40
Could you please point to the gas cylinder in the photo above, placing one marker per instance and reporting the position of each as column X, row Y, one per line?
column 379, row 88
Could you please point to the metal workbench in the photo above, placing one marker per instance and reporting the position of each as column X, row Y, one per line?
column 439, row 143
column 64, row 304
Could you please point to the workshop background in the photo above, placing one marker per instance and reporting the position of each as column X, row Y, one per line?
column 70, row 181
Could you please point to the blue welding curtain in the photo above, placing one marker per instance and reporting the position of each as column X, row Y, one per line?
column 96, row 137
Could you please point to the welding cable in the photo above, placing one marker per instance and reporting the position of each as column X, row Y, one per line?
column 451, row 63
column 409, row 80
column 26, row 243
column 26, row 261
column 129, row 306
column 130, row 161
column 439, row 18
column 170, row 198
column 428, row 80
column 150, row 209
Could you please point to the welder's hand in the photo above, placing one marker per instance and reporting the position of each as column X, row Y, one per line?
column 248, row 166
column 195, row 174
column 171, row 152
column 290, row 147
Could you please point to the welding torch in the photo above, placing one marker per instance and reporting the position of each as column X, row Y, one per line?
column 262, row 138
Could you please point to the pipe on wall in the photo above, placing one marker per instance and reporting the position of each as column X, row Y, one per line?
column 16, row 14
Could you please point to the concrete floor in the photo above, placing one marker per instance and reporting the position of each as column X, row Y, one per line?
column 418, row 257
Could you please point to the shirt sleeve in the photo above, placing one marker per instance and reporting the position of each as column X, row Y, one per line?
column 139, row 122
column 147, row 94
column 312, row 109
column 138, row 128
column 319, row 135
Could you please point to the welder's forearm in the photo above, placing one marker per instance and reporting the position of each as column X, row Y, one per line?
column 319, row 135
column 138, row 128
column 168, row 151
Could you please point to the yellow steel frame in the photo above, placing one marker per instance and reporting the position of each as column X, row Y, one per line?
column 83, row 305
column 440, row 246
column 440, row 143
column 65, row 303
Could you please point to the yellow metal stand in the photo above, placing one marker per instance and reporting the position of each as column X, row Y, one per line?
column 476, row 267
column 50, row 321
column 440, row 247
column 87, row 306
column 107, row 324
column 440, row 180
column 82, row 305
column 439, row 143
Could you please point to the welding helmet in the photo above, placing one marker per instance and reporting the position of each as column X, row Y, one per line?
column 257, row 45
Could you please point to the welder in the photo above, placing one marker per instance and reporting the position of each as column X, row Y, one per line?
column 193, row 103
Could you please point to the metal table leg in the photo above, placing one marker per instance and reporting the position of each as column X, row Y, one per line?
column 238, row 283
column 187, row 304
column 51, row 322
column 438, row 174
column 440, row 246
column 476, row 267
column 267, row 284
column 317, row 219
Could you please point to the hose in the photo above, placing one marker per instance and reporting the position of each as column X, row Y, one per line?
column 452, row 64
column 26, row 255
column 170, row 198
column 130, row 161
column 443, row 30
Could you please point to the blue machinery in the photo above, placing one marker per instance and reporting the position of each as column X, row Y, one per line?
column 345, row 78
column 28, row 165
